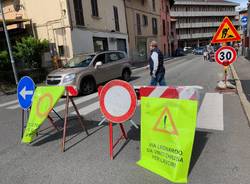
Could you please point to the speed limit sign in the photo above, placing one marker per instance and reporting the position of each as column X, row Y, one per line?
column 225, row 55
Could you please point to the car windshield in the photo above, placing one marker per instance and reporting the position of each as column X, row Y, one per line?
column 79, row 61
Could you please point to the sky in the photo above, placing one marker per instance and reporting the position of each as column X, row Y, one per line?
column 243, row 3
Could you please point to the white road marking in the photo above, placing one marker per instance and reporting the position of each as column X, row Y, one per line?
column 210, row 116
column 78, row 101
column 14, row 107
column 8, row 103
column 88, row 109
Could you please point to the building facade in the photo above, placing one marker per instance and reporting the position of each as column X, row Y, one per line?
column 143, row 22
column 77, row 26
column 197, row 21
column 168, row 33
column 16, row 23
column 243, row 30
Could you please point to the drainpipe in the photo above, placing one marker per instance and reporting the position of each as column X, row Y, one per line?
column 127, row 26
column 70, row 16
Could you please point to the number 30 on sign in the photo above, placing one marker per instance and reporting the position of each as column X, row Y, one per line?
column 225, row 55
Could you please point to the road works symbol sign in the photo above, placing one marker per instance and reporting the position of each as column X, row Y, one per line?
column 25, row 91
column 225, row 55
column 226, row 32
column 162, row 124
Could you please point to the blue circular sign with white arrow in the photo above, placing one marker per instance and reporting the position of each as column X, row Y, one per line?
column 25, row 91
column 244, row 20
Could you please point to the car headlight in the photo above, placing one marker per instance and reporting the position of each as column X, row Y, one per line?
column 69, row 78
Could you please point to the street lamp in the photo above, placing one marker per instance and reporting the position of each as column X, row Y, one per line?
column 8, row 43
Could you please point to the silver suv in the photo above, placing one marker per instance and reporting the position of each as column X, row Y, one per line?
column 87, row 71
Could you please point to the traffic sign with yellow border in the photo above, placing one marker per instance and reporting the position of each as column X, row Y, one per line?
column 226, row 32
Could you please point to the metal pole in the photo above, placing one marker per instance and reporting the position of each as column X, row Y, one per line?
column 8, row 43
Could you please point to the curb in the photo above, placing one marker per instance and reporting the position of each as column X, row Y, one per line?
column 243, row 98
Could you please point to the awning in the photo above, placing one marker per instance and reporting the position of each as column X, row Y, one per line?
column 13, row 21
column 173, row 19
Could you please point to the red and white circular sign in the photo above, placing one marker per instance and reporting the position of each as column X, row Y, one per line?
column 225, row 55
column 118, row 101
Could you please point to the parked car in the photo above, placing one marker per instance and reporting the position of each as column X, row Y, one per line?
column 179, row 52
column 87, row 71
column 187, row 49
column 198, row 51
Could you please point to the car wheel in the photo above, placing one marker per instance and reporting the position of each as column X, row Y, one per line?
column 88, row 86
column 126, row 75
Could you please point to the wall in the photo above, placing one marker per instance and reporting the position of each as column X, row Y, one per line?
column 83, row 40
column 100, row 26
column 134, row 7
column 51, row 21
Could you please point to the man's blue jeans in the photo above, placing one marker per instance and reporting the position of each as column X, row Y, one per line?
column 158, row 79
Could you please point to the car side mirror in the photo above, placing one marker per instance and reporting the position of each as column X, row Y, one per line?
column 98, row 64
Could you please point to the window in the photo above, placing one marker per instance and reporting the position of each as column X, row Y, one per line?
column 153, row 3
column 167, row 9
column 61, row 50
column 94, row 6
column 164, row 27
column 78, row 12
column 121, row 55
column 145, row 20
column 101, row 58
column 117, row 26
column 112, row 57
column 154, row 26
column 100, row 44
column 142, row 2
column 138, row 24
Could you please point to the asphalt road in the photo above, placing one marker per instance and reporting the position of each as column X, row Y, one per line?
column 219, row 157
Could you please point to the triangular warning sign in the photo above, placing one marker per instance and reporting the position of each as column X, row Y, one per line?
column 162, row 124
column 226, row 32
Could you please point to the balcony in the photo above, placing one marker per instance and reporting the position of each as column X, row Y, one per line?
column 201, row 24
column 203, row 13
column 195, row 35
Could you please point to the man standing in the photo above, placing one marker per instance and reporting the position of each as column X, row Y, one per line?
column 157, row 70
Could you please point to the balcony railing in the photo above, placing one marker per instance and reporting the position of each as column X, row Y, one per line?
column 195, row 35
column 202, row 24
column 203, row 13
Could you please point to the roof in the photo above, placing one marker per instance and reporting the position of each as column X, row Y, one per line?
column 206, row 2
column 13, row 21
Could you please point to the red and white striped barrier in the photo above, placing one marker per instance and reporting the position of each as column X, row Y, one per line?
column 180, row 92
column 72, row 90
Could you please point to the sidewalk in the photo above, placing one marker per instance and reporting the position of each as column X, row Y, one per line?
column 240, row 70
column 242, row 67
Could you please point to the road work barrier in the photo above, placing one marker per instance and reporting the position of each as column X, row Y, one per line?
column 44, row 99
column 167, row 136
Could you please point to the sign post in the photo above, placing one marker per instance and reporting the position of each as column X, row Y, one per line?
column 226, row 55
column 117, row 103
column 25, row 91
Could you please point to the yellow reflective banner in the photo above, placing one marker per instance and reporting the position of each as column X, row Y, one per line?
column 167, row 135
column 44, row 99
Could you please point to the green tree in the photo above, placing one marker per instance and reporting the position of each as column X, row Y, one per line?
column 5, row 64
column 29, row 51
